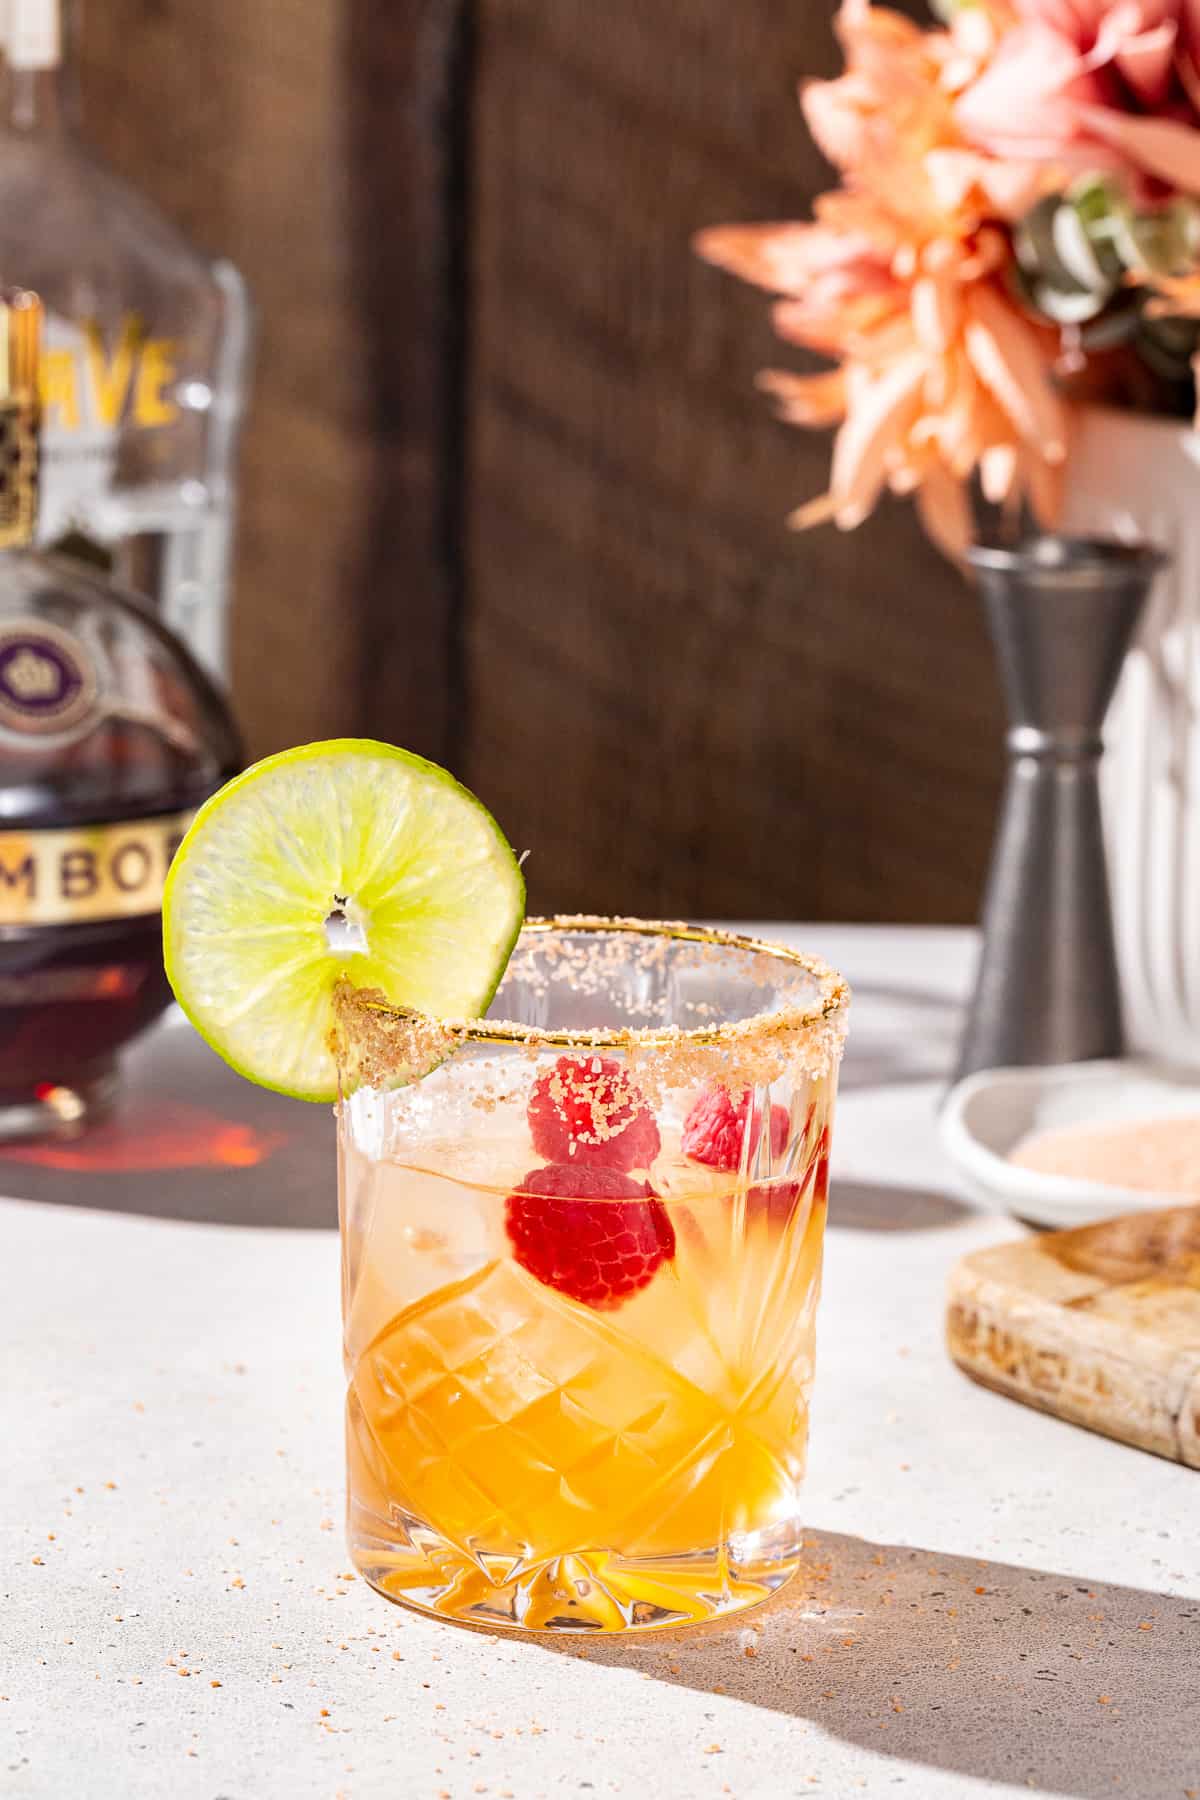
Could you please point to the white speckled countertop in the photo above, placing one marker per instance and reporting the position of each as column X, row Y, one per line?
column 996, row 1602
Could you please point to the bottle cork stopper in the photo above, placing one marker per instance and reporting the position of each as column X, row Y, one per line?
column 20, row 358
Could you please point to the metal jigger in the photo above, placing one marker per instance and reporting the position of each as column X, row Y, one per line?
column 1062, row 612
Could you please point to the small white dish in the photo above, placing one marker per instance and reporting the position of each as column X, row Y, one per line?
column 984, row 1117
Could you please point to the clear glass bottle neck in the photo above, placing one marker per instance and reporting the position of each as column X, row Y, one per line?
column 45, row 102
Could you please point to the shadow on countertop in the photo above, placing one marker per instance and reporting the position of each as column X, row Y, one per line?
column 876, row 1206
column 978, row 1668
column 192, row 1141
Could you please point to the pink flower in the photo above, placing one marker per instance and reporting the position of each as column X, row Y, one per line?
column 1094, row 85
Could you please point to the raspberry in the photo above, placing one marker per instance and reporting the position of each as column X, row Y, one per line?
column 820, row 1163
column 780, row 1197
column 592, row 1234
column 713, row 1133
column 587, row 1111
column 714, row 1129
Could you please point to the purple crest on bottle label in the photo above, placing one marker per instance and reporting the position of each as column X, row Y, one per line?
column 47, row 682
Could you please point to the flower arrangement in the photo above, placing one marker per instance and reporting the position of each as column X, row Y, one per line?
column 1017, row 225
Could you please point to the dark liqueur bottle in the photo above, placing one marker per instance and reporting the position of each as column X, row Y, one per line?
column 110, row 736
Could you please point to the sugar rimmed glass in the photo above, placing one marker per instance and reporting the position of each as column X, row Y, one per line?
column 581, row 1260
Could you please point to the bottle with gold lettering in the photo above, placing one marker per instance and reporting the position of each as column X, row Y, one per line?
column 110, row 736
column 146, row 347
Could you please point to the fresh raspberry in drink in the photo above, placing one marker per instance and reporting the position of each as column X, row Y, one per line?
column 780, row 1197
column 593, row 1234
column 714, row 1129
column 713, row 1132
column 586, row 1110
column 821, row 1163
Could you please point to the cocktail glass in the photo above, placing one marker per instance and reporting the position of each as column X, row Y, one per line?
column 581, row 1261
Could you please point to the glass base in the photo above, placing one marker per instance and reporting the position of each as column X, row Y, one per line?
column 59, row 1110
column 587, row 1591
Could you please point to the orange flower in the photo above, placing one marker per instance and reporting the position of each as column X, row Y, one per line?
column 939, row 376
column 889, row 123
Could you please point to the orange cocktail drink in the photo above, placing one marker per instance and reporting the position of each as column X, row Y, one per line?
column 582, row 1252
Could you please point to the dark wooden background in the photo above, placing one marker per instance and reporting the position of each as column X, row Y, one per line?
column 509, row 495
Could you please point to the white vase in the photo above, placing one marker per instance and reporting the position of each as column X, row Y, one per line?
column 1133, row 476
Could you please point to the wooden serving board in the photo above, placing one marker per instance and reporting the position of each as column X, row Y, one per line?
column 1100, row 1326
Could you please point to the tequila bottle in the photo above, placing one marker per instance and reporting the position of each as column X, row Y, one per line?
column 110, row 736
column 145, row 348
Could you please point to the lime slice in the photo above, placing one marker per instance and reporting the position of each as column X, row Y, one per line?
column 343, row 858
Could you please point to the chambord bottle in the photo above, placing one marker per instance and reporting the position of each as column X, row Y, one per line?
column 145, row 353
column 110, row 736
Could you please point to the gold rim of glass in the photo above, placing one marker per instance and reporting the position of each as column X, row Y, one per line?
column 833, row 995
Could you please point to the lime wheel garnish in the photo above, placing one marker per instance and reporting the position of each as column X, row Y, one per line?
column 346, row 858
